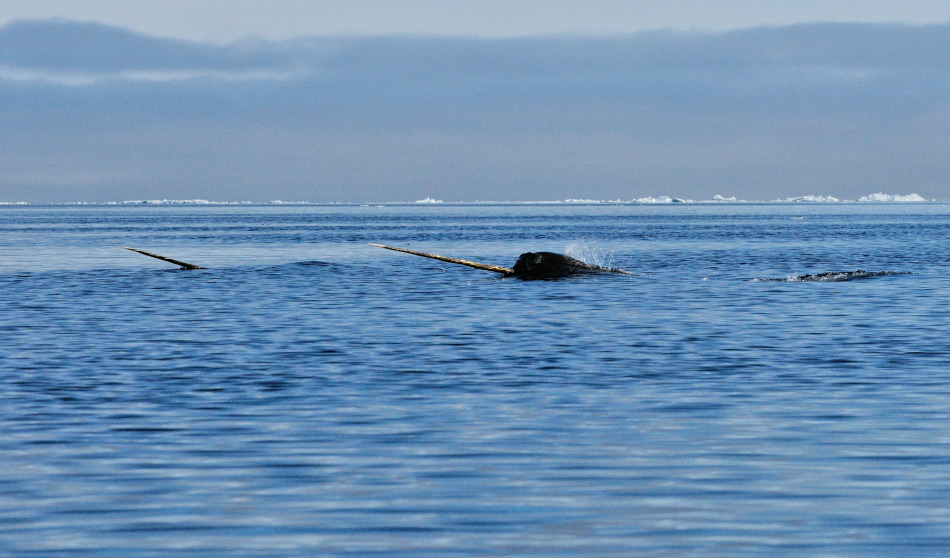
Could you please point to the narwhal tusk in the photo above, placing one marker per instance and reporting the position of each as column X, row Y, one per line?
column 184, row 265
column 476, row 265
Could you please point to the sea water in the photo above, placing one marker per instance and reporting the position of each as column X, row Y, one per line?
column 310, row 395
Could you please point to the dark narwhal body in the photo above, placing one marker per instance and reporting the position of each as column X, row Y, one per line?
column 548, row 265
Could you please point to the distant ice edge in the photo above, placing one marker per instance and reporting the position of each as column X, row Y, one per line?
column 879, row 197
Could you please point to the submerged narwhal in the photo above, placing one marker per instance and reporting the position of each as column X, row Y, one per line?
column 837, row 276
column 530, row 265
column 183, row 265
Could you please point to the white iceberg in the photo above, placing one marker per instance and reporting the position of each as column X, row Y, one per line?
column 810, row 199
column 882, row 197
column 661, row 199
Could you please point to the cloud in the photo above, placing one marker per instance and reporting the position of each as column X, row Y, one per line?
column 75, row 53
column 74, row 46
column 765, row 113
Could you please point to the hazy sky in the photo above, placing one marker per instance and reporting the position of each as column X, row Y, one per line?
column 346, row 101
column 223, row 20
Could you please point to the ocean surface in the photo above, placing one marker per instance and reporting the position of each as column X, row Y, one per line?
column 310, row 395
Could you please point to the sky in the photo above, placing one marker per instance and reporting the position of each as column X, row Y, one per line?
column 226, row 20
column 462, row 101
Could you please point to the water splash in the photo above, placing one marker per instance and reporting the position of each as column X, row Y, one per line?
column 592, row 254
column 589, row 253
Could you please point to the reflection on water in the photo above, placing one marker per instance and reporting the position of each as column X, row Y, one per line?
column 311, row 395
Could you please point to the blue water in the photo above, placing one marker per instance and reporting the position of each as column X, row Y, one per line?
column 310, row 395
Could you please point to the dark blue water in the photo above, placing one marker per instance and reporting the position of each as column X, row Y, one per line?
column 310, row 395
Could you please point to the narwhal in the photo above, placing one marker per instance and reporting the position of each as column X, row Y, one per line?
column 550, row 265
column 530, row 265
column 183, row 265
column 837, row 276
